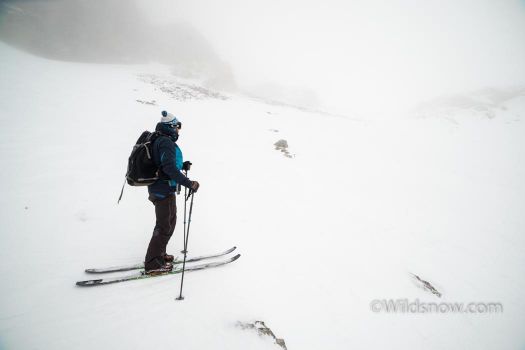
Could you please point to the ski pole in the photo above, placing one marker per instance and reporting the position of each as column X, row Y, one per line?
column 180, row 297
column 185, row 201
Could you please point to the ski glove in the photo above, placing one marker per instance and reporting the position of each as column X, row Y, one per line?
column 186, row 165
column 194, row 186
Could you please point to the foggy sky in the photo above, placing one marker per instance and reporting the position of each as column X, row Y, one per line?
column 365, row 57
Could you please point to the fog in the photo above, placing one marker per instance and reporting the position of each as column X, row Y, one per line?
column 111, row 31
column 368, row 58
column 364, row 56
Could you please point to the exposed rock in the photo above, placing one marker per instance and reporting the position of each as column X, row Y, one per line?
column 262, row 330
column 152, row 102
column 425, row 285
column 282, row 145
column 485, row 103
column 180, row 91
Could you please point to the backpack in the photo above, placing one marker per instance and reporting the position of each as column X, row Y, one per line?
column 142, row 170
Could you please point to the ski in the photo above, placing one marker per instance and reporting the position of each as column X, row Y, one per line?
column 143, row 275
column 178, row 260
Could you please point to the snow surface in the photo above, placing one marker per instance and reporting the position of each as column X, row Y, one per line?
column 359, row 206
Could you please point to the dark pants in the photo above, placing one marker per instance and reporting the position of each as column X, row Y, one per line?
column 166, row 214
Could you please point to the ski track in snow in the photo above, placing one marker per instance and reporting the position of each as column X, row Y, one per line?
column 322, row 234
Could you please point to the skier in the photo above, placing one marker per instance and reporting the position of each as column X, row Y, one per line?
column 168, row 157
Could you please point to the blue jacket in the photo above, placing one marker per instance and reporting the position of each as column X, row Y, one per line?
column 168, row 157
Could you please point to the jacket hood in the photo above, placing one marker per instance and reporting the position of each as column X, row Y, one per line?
column 167, row 130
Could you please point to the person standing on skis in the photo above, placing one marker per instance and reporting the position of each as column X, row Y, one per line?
column 168, row 157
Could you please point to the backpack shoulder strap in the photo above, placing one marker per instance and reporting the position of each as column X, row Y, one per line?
column 156, row 138
column 154, row 135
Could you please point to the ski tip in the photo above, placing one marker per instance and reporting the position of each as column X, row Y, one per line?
column 88, row 283
column 236, row 257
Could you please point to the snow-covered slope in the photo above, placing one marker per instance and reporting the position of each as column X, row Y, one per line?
column 356, row 207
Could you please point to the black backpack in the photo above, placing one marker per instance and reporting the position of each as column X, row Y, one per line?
column 142, row 170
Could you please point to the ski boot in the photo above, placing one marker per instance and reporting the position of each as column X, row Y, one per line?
column 167, row 267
